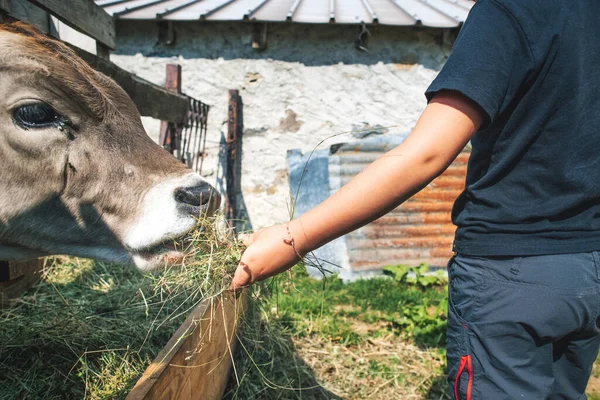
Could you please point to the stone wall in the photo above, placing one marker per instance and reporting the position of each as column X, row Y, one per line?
column 310, row 85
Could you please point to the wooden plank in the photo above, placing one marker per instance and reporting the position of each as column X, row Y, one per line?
column 23, row 275
column 85, row 16
column 22, row 10
column 196, row 362
column 11, row 270
column 150, row 99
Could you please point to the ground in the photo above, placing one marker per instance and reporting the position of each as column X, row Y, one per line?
column 375, row 339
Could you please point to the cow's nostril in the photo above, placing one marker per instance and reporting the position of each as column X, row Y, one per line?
column 196, row 195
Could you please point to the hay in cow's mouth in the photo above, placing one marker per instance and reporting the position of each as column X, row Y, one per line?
column 89, row 329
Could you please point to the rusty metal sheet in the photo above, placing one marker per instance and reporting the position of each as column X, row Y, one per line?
column 433, row 13
column 420, row 230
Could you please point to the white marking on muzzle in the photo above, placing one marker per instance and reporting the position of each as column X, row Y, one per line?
column 160, row 219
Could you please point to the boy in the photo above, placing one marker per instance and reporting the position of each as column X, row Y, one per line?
column 523, row 85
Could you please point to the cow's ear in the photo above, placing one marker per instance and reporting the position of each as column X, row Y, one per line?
column 36, row 115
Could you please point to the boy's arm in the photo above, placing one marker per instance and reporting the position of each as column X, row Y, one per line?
column 442, row 131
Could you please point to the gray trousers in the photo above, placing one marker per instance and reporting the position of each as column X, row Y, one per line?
column 522, row 327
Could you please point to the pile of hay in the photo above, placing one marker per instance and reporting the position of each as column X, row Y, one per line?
column 89, row 329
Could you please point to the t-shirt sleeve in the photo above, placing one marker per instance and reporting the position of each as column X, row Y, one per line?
column 490, row 60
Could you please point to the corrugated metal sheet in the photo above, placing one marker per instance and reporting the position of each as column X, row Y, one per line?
column 420, row 230
column 432, row 13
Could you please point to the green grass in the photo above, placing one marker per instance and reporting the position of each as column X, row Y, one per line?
column 323, row 339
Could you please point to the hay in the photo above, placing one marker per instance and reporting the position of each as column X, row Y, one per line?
column 89, row 329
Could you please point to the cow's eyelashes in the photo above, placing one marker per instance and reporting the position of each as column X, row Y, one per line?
column 37, row 115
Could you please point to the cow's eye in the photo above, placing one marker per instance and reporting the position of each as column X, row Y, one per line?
column 37, row 115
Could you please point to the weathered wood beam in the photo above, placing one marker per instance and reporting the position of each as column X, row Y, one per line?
column 150, row 99
column 22, row 10
column 196, row 362
column 84, row 16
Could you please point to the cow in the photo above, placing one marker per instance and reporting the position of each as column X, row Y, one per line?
column 78, row 173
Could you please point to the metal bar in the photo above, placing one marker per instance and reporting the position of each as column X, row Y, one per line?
column 331, row 11
column 84, row 16
column 208, row 13
column 195, row 132
column 293, row 10
column 252, row 11
column 138, row 7
column 405, row 11
column 204, row 130
column 370, row 11
column 175, row 9
column 454, row 18
column 232, row 140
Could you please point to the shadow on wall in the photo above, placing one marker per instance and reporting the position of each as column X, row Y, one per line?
column 311, row 45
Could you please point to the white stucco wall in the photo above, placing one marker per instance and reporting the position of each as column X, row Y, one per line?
column 309, row 85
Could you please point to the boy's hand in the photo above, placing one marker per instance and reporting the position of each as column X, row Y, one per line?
column 267, row 254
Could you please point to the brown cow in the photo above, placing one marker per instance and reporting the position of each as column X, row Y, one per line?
column 78, row 174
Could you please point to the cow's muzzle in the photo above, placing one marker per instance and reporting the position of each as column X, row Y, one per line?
column 198, row 200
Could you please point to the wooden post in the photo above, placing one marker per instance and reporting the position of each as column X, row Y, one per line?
column 233, row 127
column 102, row 51
column 173, row 84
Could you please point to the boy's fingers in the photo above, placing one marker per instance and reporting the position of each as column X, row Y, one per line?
column 242, row 277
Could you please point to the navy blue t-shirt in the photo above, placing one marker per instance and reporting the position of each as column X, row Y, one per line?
column 533, row 179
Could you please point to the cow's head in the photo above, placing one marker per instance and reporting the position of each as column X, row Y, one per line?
column 78, row 174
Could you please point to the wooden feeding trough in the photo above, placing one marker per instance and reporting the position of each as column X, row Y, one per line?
column 196, row 362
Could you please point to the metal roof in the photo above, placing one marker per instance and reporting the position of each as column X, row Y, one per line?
column 432, row 13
